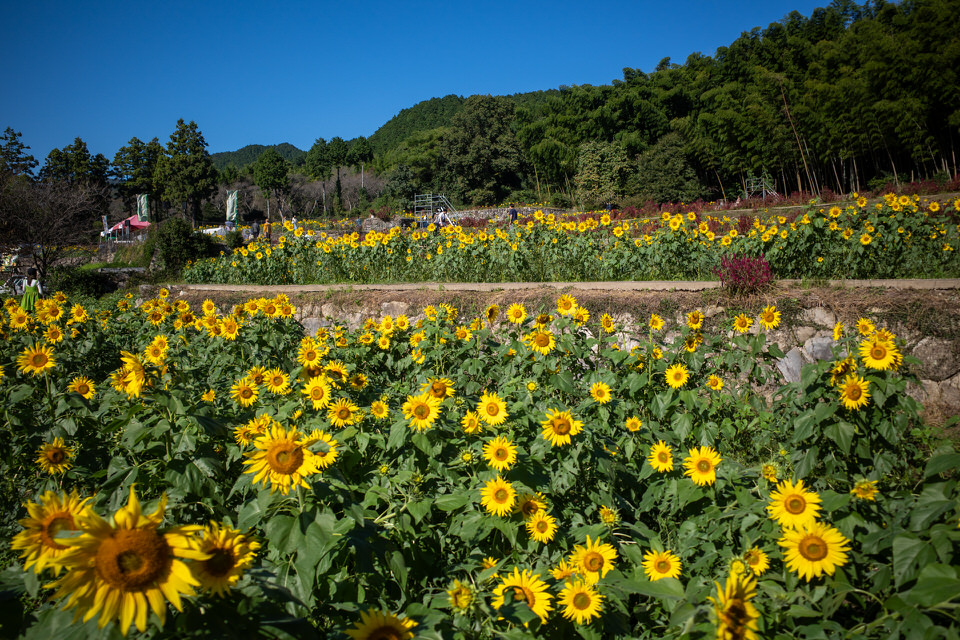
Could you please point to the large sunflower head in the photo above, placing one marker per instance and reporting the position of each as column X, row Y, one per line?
column 343, row 413
column 566, row 305
column 736, row 615
column 83, row 386
column 542, row 341
column 375, row 624
column 126, row 569
column 676, row 375
column 854, row 392
column 500, row 453
column 244, row 392
column 492, row 409
column 54, row 457
column 36, row 359
column 498, row 497
column 559, row 427
column 581, row 602
column 701, row 465
column 50, row 517
column 421, row 411
column 230, row 553
column 661, row 564
column 317, row 390
column 526, row 587
column 541, row 526
column 792, row 506
column 281, row 461
column 661, row 457
column 814, row 549
column 594, row 560
column 439, row 388
column 600, row 392
column 879, row 354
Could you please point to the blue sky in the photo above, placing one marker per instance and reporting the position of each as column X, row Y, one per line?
column 270, row 72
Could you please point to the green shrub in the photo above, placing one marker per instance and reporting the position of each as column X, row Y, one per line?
column 178, row 244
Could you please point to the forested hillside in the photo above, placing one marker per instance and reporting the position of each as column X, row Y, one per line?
column 249, row 154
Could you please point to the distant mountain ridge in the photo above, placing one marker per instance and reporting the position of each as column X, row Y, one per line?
column 249, row 154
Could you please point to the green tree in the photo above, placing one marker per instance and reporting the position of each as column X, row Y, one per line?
column 319, row 166
column 664, row 175
column 337, row 152
column 360, row 153
column 271, row 173
column 74, row 164
column 602, row 173
column 13, row 156
column 185, row 174
column 484, row 159
column 134, row 166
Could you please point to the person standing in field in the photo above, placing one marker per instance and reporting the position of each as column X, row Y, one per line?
column 32, row 292
column 513, row 214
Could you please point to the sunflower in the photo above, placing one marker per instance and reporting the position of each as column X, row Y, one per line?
column 244, row 392
column 655, row 322
column 309, row 355
column 757, row 560
column 736, row 615
column 82, row 386
column 492, row 313
column 742, row 323
column 53, row 334
column 529, row 504
column 594, row 560
column 133, row 376
column 439, row 388
column 421, row 411
column 277, row 381
column 209, row 395
column 36, row 359
column 54, row 457
column 865, row 490
column 281, row 461
column 231, row 553
column 322, row 446
column 318, row 390
column 865, row 327
column 581, row 602
column 492, row 409
column 500, row 453
column 813, row 550
column 566, row 305
column 715, row 383
column 337, row 372
column 770, row 317
column 661, row 457
column 564, row 569
column 769, row 472
column 701, row 465
column 661, row 564
column 471, row 422
column 461, row 596
column 633, row 424
column 378, row 625
column 52, row 515
column 676, row 375
column 600, row 392
column 695, row 320
column 581, row 316
column 854, row 392
column 498, row 496
column 542, row 527
column 525, row 587
column 837, row 331
column 542, row 341
column 559, row 427
column 342, row 413
column 516, row 313
column 124, row 570
column 379, row 409
column 606, row 323
column 879, row 354
column 358, row 381
column 792, row 506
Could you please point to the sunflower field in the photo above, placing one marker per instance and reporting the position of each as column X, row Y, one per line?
column 898, row 237
column 170, row 472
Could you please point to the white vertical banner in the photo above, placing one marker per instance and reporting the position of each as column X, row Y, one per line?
column 232, row 197
column 106, row 227
column 143, row 208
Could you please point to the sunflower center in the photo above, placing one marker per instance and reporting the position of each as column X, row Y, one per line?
column 421, row 412
column 878, row 352
column 501, row 495
column 133, row 559
column 582, row 601
column 854, row 392
column 663, row 457
column 542, row 339
column 385, row 633
column 56, row 455
column 525, row 594
column 662, row 566
column 220, row 563
column 704, row 466
column 285, row 458
column 55, row 523
column 561, row 426
column 344, row 413
column 593, row 561
column 438, row 389
column 37, row 360
column 246, row 393
column 795, row 504
column 83, row 388
column 542, row 526
column 492, row 409
column 813, row 548
column 317, row 393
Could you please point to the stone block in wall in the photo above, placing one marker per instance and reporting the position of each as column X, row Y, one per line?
column 790, row 365
column 820, row 316
column 311, row 324
column 804, row 333
column 394, row 308
column 819, row 348
column 938, row 358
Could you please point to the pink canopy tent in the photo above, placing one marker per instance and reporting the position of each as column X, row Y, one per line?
column 135, row 224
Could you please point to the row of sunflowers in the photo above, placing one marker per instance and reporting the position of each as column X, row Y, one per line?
column 897, row 237
column 181, row 472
